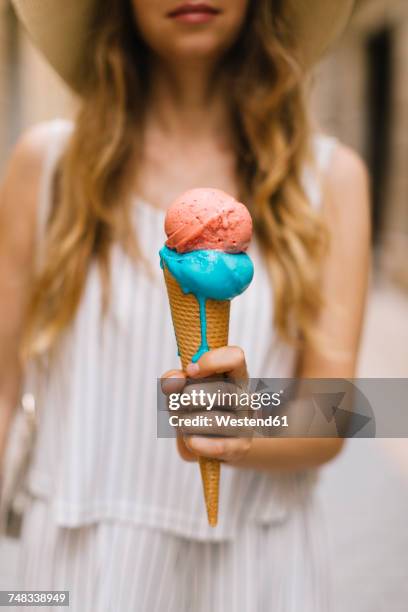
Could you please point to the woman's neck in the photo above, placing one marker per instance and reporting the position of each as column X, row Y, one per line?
column 187, row 99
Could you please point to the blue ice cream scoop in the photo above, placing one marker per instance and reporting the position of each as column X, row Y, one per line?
column 208, row 274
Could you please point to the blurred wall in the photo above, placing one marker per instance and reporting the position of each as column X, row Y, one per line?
column 360, row 95
column 29, row 90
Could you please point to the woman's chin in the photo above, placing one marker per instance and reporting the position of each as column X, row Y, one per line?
column 190, row 47
column 195, row 55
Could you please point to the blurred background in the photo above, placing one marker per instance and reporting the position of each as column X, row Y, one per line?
column 360, row 94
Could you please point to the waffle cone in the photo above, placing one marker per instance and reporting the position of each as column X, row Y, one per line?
column 185, row 313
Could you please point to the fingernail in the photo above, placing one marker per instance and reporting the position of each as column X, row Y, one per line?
column 199, row 445
column 169, row 384
column 193, row 369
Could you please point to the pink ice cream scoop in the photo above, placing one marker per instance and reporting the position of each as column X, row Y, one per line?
column 208, row 219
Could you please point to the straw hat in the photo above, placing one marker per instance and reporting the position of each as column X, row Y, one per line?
column 59, row 28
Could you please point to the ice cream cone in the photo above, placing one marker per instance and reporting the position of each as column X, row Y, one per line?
column 186, row 320
column 208, row 233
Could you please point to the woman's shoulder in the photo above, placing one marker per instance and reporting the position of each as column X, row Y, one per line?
column 30, row 151
column 337, row 159
column 337, row 176
column 36, row 141
column 346, row 186
column 23, row 177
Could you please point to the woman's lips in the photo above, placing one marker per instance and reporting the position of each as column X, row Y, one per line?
column 194, row 13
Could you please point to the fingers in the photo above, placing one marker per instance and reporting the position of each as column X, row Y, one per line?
column 228, row 359
column 185, row 453
column 173, row 381
column 212, row 423
column 224, row 449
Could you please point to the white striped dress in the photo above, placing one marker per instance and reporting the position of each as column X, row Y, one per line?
column 115, row 515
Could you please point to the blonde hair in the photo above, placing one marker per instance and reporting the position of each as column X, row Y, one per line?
column 92, row 204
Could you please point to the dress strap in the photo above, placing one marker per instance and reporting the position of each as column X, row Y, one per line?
column 60, row 130
column 323, row 149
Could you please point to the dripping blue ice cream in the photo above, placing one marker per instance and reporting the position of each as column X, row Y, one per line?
column 208, row 274
column 208, row 232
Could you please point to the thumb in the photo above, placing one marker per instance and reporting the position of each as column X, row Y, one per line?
column 172, row 381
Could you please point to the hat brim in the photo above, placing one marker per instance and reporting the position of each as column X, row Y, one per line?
column 59, row 29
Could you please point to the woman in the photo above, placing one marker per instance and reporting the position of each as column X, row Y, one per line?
column 173, row 97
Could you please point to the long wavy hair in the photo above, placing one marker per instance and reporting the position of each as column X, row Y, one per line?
column 92, row 192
